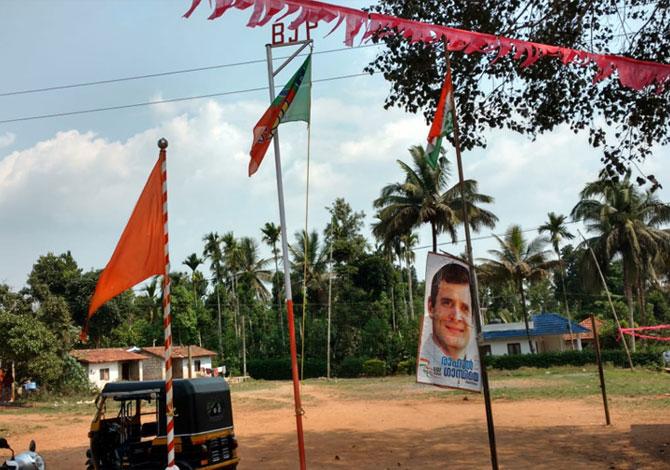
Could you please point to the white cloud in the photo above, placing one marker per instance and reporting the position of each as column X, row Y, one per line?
column 7, row 139
column 75, row 190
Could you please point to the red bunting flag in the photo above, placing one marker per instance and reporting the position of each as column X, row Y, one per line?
column 139, row 254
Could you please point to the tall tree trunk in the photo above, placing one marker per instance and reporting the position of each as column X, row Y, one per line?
column 244, row 349
column 565, row 299
column 525, row 315
column 218, row 312
column 393, row 308
column 434, row 233
column 236, row 313
column 330, row 301
column 279, row 302
column 628, row 292
column 409, row 283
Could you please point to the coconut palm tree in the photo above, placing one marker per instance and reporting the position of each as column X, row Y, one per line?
column 271, row 234
column 625, row 222
column 424, row 197
column 520, row 261
column 212, row 251
column 557, row 230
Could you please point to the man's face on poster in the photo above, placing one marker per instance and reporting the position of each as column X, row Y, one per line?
column 452, row 318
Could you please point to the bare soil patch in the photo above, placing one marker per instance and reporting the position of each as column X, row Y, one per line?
column 350, row 426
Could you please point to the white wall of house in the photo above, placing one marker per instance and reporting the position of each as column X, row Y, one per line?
column 96, row 373
column 199, row 363
column 500, row 347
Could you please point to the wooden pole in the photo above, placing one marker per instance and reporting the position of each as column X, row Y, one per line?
column 596, row 342
column 190, row 362
column 609, row 298
column 474, row 291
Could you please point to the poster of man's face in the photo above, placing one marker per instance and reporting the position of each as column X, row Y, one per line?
column 448, row 354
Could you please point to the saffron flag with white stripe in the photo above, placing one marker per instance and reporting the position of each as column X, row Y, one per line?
column 442, row 122
column 139, row 254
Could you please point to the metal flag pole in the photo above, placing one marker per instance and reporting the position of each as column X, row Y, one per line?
column 167, row 318
column 287, row 268
column 474, row 288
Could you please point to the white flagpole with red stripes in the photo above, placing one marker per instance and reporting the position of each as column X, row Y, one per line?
column 167, row 318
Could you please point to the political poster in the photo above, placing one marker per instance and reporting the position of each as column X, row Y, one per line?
column 448, row 354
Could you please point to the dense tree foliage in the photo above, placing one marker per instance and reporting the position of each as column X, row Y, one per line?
column 503, row 94
column 372, row 292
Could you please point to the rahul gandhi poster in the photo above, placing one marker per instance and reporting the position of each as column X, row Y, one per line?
column 448, row 354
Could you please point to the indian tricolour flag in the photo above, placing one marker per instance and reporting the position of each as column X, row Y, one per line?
column 442, row 122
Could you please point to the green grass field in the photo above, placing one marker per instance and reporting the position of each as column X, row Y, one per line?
column 644, row 387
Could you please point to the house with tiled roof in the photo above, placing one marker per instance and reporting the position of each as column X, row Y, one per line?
column 547, row 333
column 106, row 365
column 201, row 361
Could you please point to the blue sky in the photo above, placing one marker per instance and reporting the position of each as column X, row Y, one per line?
column 69, row 183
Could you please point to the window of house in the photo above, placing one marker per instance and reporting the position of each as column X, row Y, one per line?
column 513, row 348
column 487, row 349
column 104, row 374
column 196, row 365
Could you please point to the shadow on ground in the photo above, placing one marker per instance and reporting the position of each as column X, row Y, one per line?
column 593, row 447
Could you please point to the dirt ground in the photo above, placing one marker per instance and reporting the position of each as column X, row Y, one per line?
column 376, row 432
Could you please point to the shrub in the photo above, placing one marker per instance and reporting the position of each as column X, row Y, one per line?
column 571, row 358
column 407, row 367
column 374, row 368
column 74, row 378
column 351, row 367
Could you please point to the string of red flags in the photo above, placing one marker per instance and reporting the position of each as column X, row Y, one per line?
column 292, row 104
column 139, row 253
column 636, row 332
column 632, row 73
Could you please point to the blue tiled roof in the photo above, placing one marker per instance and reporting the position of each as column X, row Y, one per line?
column 544, row 324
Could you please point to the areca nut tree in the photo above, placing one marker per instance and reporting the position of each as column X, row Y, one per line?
column 408, row 242
column 231, row 261
column 253, row 274
column 213, row 252
column 192, row 261
column 557, row 231
column 626, row 222
column 310, row 260
column 424, row 197
column 518, row 260
column 271, row 234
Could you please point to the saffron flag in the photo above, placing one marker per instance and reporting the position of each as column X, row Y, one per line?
column 139, row 254
column 442, row 122
column 292, row 104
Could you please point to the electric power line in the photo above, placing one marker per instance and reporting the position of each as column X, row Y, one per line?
column 483, row 237
column 164, row 74
column 170, row 100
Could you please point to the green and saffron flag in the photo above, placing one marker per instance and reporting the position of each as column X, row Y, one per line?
column 292, row 104
column 442, row 122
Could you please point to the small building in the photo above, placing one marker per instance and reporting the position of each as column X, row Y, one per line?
column 109, row 364
column 587, row 338
column 547, row 333
column 154, row 368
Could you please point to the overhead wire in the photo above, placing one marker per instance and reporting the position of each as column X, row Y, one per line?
column 164, row 74
column 484, row 237
column 165, row 101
